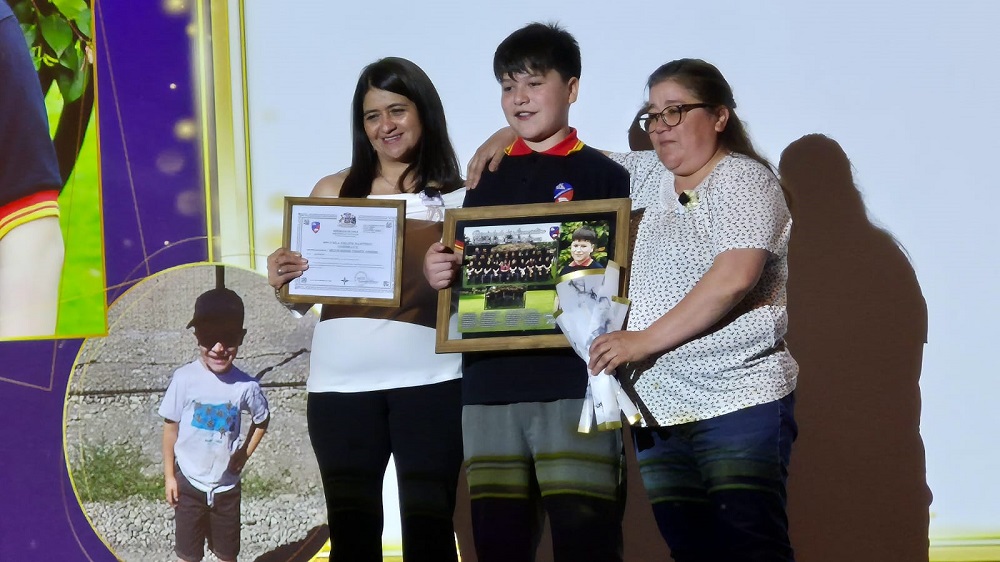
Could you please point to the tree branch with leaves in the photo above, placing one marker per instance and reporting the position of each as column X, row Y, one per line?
column 59, row 34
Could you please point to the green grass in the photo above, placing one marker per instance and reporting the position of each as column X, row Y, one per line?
column 82, row 290
column 256, row 486
column 106, row 473
column 540, row 301
column 115, row 472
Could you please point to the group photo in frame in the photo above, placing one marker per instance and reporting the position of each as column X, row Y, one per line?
column 504, row 295
column 354, row 247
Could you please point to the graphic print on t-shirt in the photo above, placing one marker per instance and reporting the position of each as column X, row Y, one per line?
column 215, row 417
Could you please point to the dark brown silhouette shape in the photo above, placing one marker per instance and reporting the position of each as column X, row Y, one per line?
column 299, row 551
column 857, row 327
column 638, row 139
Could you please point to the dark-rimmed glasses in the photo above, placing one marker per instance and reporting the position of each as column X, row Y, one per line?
column 671, row 116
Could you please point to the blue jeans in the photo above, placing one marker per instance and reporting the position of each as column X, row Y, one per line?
column 718, row 485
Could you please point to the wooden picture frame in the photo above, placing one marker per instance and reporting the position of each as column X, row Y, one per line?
column 354, row 247
column 503, row 297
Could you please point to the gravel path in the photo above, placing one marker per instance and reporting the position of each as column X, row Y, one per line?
column 143, row 531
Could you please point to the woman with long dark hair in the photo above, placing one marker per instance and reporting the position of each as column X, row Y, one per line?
column 375, row 385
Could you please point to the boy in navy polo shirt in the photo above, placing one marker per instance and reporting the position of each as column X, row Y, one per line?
column 521, row 408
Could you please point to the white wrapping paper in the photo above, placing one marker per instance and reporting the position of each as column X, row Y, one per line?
column 589, row 306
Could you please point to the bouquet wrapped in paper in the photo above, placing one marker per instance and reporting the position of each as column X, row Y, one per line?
column 589, row 305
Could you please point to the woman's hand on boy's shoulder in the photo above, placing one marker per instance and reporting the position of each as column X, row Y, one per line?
column 488, row 156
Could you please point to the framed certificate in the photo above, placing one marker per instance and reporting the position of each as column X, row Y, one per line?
column 354, row 248
column 504, row 296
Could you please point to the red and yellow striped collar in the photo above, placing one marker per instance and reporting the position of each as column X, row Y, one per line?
column 567, row 146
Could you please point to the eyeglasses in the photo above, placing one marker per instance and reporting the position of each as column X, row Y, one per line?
column 672, row 115
column 228, row 338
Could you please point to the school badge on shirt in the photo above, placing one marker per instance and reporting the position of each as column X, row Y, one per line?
column 563, row 192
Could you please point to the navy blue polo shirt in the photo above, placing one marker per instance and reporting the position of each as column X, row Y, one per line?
column 524, row 177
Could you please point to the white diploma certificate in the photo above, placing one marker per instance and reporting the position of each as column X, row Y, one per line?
column 353, row 246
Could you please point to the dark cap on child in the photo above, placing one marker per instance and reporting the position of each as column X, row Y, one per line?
column 218, row 307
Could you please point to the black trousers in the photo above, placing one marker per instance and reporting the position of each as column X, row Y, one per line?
column 353, row 435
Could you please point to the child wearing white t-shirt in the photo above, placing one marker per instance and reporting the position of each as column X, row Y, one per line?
column 203, row 456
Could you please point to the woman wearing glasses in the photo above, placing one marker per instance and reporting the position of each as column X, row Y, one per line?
column 704, row 347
